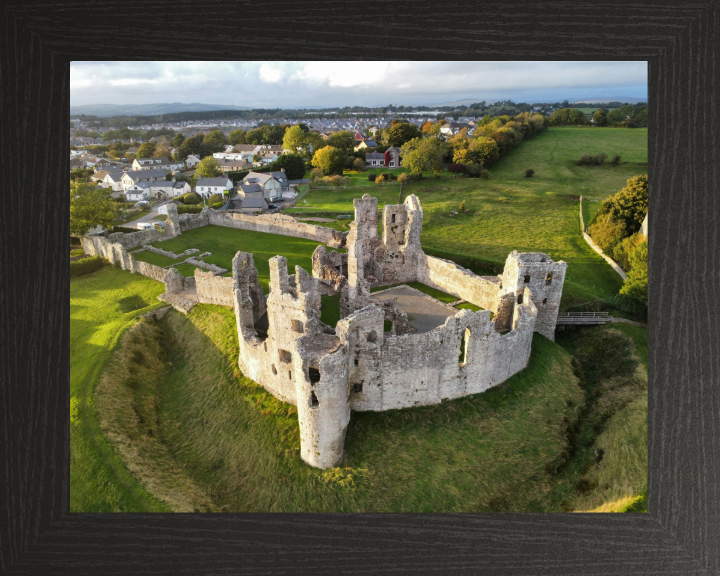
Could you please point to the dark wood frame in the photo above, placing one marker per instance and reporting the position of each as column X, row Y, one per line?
column 681, row 532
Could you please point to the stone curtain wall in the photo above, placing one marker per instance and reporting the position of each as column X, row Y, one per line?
column 461, row 282
column 388, row 372
column 278, row 224
column 213, row 289
column 594, row 246
column 116, row 253
column 135, row 239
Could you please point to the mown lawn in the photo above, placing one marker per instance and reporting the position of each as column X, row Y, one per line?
column 510, row 212
column 224, row 243
column 239, row 445
column 102, row 306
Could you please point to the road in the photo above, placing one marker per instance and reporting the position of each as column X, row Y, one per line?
column 148, row 217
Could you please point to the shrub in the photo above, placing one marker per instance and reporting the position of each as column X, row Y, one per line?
column 372, row 177
column 462, row 206
column 78, row 252
column 190, row 198
column 484, row 174
column 615, row 160
column 636, row 285
column 86, row 266
column 622, row 251
column 473, row 170
column 189, row 209
column 217, row 205
column 389, row 176
column 607, row 233
column 380, row 179
column 587, row 160
column 404, row 177
column 123, row 229
column 457, row 168
column 215, row 198
column 359, row 164
column 529, row 173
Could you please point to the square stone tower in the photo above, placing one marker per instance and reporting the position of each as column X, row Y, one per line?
column 544, row 277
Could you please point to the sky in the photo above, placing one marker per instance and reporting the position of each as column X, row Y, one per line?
column 358, row 83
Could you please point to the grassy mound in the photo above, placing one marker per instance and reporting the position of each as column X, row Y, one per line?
column 236, row 444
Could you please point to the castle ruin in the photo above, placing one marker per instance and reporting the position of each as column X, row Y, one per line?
column 361, row 364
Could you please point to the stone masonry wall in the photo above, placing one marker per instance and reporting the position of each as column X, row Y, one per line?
column 278, row 224
column 213, row 289
column 447, row 276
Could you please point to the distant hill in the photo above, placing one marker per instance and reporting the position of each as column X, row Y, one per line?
column 147, row 109
column 623, row 99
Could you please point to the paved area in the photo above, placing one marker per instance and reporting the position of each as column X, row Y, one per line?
column 424, row 312
column 148, row 217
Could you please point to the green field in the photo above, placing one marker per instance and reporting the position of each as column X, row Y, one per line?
column 102, row 306
column 224, row 243
column 510, row 212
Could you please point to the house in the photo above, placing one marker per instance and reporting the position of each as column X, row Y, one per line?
column 137, row 194
column 134, row 176
column 365, row 144
column 388, row 159
column 155, row 163
column 359, row 137
column 132, row 150
column 180, row 189
column 114, row 180
column 251, row 191
column 206, row 187
column 253, row 205
column 234, row 165
column 247, row 148
column 192, row 161
column 273, row 184
column 160, row 189
column 99, row 176
column 232, row 156
column 453, row 128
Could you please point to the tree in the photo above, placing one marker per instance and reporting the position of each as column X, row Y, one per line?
column 178, row 140
column 422, row 155
column 344, row 140
column 402, row 133
column 330, row 160
column 190, row 198
column 146, row 150
column 237, row 137
column 89, row 207
column 294, row 165
column 214, row 141
column 215, row 198
column 427, row 126
column 192, row 146
column 636, row 285
column 629, row 206
column 600, row 118
column 529, row 173
column 208, row 167
column 567, row 117
column 487, row 151
column 314, row 141
column 295, row 140
column 358, row 164
column 161, row 152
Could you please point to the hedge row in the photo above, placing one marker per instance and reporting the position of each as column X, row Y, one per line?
column 183, row 209
column 86, row 266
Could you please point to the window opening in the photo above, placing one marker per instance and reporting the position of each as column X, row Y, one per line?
column 527, row 278
column 313, row 400
column 314, row 375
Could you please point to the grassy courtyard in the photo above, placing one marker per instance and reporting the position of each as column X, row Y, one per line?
column 510, row 212
column 224, row 243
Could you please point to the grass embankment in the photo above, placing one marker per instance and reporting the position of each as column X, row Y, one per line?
column 239, row 446
column 224, row 243
column 102, row 305
column 609, row 441
column 510, row 212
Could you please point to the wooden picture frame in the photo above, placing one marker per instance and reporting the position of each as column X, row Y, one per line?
column 681, row 532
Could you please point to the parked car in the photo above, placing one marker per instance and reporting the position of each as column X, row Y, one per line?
column 144, row 225
column 272, row 206
column 142, row 203
column 159, row 226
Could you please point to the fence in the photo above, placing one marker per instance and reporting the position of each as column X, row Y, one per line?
column 615, row 302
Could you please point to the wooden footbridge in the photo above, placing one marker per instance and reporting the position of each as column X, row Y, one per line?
column 583, row 318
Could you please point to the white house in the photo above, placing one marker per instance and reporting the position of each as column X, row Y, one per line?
column 114, row 180
column 156, row 163
column 160, row 189
column 206, row 187
column 192, row 161
column 236, row 156
column 134, row 176
column 272, row 184
column 137, row 194
column 180, row 188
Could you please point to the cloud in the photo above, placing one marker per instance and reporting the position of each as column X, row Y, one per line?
column 269, row 74
column 329, row 84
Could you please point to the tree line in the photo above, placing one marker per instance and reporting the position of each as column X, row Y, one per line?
column 628, row 116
